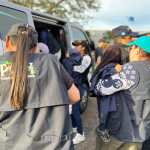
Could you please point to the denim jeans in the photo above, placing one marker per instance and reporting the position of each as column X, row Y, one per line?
column 76, row 116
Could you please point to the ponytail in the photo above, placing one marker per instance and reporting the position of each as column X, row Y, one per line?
column 25, row 40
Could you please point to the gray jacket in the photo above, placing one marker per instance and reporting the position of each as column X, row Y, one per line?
column 44, row 122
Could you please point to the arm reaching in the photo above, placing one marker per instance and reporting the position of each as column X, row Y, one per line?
column 86, row 61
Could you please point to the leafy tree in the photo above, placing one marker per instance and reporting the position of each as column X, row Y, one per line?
column 63, row 8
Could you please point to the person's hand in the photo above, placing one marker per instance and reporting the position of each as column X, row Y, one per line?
column 118, row 68
column 67, row 55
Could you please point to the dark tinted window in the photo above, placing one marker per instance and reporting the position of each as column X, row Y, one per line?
column 78, row 34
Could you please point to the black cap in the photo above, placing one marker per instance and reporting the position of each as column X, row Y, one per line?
column 123, row 31
column 79, row 42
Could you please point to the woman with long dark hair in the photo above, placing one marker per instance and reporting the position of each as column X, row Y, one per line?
column 112, row 54
column 34, row 96
column 106, row 104
column 133, row 106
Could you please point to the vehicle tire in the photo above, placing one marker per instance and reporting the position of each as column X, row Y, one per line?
column 84, row 102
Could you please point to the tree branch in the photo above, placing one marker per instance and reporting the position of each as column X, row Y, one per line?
column 56, row 5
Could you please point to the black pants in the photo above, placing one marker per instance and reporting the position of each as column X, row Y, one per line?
column 146, row 145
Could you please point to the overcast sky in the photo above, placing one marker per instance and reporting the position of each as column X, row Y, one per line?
column 135, row 13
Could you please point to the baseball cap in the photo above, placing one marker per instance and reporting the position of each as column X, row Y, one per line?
column 142, row 42
column 123, row 31
column 79, row 42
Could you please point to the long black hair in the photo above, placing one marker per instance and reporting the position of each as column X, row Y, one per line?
column 24, row 39
column 112, row 54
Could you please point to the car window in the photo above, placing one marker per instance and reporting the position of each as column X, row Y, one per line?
column 8, row 17
column 78, row 34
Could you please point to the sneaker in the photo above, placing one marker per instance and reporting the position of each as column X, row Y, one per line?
column 104, row 135
column 78, row 138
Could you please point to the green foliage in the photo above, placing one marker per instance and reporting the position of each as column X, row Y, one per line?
column 107, row 36
column 62, row 8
